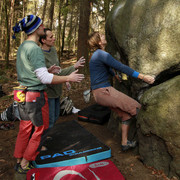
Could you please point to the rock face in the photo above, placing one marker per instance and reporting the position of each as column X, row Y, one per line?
column 158, row 125
column 145, row 34
column 148, row 32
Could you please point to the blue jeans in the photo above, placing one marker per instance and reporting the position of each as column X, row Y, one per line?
column 54, row 110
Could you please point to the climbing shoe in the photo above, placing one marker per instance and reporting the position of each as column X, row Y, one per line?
column 130, row 144
column 26, row 169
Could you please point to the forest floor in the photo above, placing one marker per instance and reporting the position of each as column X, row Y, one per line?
column 128, row 163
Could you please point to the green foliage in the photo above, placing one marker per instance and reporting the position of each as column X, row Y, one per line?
column 62, row 8
column 65, row 10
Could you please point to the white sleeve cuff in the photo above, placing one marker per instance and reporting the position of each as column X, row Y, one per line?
column 43, row 75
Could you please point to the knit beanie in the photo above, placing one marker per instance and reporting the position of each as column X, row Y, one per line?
column 28, row 24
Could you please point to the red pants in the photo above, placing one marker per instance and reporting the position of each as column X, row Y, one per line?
column 123, row 105
column 32, row 134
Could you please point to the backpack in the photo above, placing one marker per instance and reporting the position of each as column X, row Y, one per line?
column 95, row 114
column 11, row 113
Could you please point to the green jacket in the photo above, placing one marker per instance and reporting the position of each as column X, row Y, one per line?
column 51, row 58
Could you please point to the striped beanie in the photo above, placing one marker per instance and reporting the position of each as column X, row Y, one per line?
column 28, row 24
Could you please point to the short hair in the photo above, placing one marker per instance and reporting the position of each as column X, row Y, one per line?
column 45, row 35
column 93, row 41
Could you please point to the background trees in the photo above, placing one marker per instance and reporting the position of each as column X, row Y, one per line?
column 70, row 20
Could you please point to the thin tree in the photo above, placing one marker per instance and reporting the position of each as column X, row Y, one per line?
column 83, row 29
column 1, row 11
column 2, row 29
column 44, row 10
column 23, row 15
column 75, row 30
column 11, row 19
column 70, row 32
column 35, row 7
column 51, row 14
column 64, row 26
column 7, row 33
column 59, row 27
column 106, row 7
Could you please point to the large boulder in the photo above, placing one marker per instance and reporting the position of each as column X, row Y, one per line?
column 145, row 34
column 158, row 125
column 148, row 31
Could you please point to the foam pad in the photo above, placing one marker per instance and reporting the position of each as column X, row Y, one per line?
column 71, row 144
column 104, row 170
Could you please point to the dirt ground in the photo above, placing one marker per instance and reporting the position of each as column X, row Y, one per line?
column 128, row 163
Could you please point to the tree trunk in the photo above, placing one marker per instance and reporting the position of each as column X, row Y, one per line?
column 64, row 28
column 83, row 29
column 7, row 34
column 106, row 7
column 59, row 29
column 44, row 10
column 35, row 7
column 23, row 15
column 1, row 11
column 63, row 34
column 11, row 21
column 76, row 30
column 70, row 33
column 51, row 14
column 1, row 29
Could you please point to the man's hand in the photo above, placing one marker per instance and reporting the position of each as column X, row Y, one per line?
column 80, row 63
column 54, row 69
column 74, row 77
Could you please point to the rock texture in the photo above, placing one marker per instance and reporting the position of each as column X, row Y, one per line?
column 158, row 125
column 148, row 31
column 145, row 34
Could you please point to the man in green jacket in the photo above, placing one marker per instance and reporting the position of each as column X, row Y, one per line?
column 54, row 91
